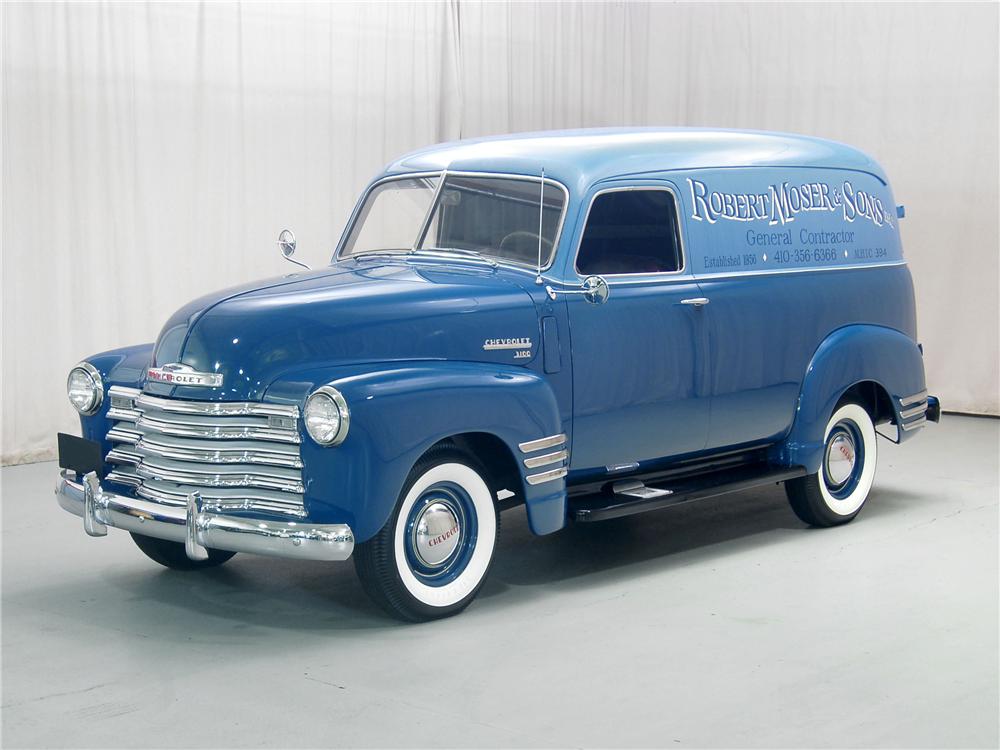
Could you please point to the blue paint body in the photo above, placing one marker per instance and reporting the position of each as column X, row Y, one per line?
column 793, row 239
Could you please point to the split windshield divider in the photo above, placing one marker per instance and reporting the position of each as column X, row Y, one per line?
column 430, row 212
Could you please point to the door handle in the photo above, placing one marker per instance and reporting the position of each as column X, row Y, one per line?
column 696, row 301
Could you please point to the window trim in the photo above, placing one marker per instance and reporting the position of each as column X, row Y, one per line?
column 646, row 276
column 443, row 174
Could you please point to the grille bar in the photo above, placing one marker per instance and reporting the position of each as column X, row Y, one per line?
column 146, row 402
column 238, row 455
column 226, row 431
column 209, row 475
column 220, row 452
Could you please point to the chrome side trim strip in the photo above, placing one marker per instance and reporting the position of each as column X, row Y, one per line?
column 545, row 442
column 625, row 279
column 547, row 476
column 546, row 459
column 912, row 412
column 292, row 539
column 907, row 400
column 907, row 426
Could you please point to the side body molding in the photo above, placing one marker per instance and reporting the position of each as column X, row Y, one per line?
column 398, row 411
column 849, row 355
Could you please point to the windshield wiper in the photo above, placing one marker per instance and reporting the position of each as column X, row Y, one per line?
column 437, row 251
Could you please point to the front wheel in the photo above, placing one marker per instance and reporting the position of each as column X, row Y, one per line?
column 836, row 493
column 432, row 556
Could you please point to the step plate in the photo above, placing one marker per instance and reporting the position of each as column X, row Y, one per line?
column 637, row 489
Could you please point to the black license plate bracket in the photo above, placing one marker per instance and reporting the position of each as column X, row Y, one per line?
column 80, row 455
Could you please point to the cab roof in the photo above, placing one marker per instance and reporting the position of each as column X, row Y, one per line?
column 579, row 158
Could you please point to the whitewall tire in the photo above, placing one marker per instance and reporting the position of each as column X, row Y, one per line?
column 433, row 554
column 837, row 492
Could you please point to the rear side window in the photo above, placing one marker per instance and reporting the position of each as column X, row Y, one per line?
column 631, row 231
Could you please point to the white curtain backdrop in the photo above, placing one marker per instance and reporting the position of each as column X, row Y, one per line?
column 152, row 152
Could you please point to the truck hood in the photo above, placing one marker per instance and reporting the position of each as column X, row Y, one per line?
column 349, row 313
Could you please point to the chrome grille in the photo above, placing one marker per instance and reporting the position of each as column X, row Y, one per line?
column 238, row 455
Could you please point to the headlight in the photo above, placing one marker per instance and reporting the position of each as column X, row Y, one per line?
column 84, row 388
column 327, row 416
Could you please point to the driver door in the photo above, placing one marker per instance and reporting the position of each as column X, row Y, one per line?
column 639, row 390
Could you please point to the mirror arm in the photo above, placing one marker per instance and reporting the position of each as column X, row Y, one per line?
column 553, row 293
column 286, row 243
column 594, row 290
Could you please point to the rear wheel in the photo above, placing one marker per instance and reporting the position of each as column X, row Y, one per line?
column 837, row 492
column 432, row 556
column 172, row 554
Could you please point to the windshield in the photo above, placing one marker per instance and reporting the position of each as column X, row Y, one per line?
column 497, row 217
column 393, row 216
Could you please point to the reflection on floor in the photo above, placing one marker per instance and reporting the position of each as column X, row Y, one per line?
column 724, row 622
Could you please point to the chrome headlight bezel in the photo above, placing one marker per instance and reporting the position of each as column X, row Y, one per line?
column 96, row 387
column 337, row 400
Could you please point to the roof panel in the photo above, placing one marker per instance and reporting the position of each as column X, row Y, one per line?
column 581, row 157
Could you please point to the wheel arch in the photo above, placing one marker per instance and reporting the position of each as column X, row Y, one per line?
column 499, row 461
column 874, row 397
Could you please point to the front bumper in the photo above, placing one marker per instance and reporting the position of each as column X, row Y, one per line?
column 197, row 527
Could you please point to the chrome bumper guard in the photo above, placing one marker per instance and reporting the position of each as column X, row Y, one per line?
column 197, row 527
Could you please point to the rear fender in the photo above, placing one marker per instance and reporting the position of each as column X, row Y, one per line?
column 850, row 355
column 399, row 411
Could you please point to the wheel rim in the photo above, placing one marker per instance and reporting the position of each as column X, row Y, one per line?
column 844, row 459
column 440, row 534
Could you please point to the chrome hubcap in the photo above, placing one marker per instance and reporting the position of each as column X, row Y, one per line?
column 840, row 458
column 436, row 534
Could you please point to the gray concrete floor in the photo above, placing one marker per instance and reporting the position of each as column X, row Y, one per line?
column 721, row 623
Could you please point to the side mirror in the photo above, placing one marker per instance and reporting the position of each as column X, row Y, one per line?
column 286, row 243
column 594, row 289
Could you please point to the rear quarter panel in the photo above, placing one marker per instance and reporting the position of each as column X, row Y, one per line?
column 787, row 257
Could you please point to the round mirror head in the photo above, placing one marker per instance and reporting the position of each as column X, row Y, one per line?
column 286, row 241
column 595, row 290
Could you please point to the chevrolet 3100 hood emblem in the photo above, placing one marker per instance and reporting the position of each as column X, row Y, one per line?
column 494, row 344
column 177, row 374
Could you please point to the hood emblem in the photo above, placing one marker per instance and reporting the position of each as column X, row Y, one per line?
column 178, row 374
column 494, row 344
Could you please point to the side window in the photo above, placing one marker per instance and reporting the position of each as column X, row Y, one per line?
column 631, row 231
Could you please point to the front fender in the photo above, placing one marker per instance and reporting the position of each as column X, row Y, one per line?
column 127, row 367
column 850, row 355
column 400, row 410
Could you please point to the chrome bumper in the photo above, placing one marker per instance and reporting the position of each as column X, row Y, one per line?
column 197, row 528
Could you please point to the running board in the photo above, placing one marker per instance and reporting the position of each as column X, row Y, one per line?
column 628, row 497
